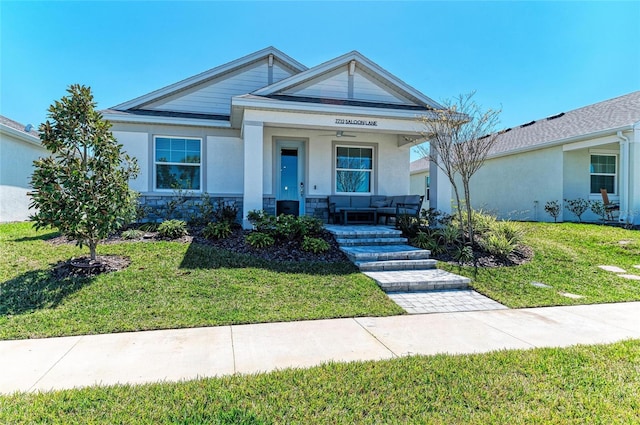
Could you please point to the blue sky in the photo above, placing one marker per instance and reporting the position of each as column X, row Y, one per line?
column 532, row 59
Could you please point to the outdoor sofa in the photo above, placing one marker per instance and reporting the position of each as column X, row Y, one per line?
column 342, row 208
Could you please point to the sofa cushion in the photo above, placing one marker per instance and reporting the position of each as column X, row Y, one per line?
column 340, row 201
column 386, row 211
column 412, row 199
column 360, row 201
column 380, row 203
column 396, row 200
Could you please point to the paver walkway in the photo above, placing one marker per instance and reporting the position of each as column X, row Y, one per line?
column 173, row 355
column 451, row 300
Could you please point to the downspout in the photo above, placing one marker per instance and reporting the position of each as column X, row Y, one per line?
column 624, row 178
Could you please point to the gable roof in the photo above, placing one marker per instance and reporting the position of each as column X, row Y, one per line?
column 19, row 130
column 285, row 89
column 172, row 89
column 419, row 165
column 609, row 115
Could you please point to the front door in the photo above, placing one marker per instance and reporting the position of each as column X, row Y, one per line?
column 290, row 183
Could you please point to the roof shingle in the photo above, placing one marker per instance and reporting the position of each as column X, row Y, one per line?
column 611, row 114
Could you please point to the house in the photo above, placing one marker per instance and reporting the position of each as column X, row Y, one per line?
column 19, row 147
column 419, row 180
column 569, row 155
column 265, row 130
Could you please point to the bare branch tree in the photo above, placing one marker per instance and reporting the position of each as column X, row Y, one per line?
column 460, row 137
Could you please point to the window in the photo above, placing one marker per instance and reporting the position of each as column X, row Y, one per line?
column 603, row 173
column 427, row 186
column 354, row 167
column 177, row 163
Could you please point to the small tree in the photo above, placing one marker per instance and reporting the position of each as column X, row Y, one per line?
column 82, row 187
column 553, row 209
column 577, row 207
column 460, row 137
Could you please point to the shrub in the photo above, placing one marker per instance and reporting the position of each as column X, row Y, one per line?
column 510, row 230
column 598, row 208
column 423, row 239
column 553, row 209
column 172, row 229
column 262, row 221
column 463, row 254
column 226, row 212
column 288, row 227
column 433, row 217
column 259, row 239
column 132, row 234
column 218, row 230
column 315, row 245
column 450, row 234
column 410, row 226
column 497, row 244
column 577, row 207
column 205, row 211
column 310, row 225
column 149, row 227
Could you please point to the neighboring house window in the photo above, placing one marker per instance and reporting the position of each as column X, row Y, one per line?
column 603, row 173
column 354, row 169
column 177, row 163
column 427, row 186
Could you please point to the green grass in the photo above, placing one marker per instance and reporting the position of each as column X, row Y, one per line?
column 583, row 384
column 567, row 257
column 168, row 285
column 176, row 285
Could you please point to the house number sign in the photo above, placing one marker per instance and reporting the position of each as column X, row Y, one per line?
column 345, row 121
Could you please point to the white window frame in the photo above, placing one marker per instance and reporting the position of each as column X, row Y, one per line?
column 597, row 195
column 371, row 171
column 191, row 164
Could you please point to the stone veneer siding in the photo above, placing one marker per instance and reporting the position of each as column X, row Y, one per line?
column 186, row 207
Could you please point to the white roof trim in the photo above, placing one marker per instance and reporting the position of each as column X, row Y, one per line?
column 304, row 107
column 148, row 119
column 25, row 137
column 345, row 60
column 196, row 79
column 560, row 142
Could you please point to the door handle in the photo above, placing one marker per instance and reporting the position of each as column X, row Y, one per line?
column 301, row 188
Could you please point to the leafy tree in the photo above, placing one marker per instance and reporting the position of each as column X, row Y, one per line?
column 82, row 187
column 460, row 137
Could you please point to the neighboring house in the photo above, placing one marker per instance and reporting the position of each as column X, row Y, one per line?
column 420, row 180
column 19, row 147
column 265, row 128
column 565, row 156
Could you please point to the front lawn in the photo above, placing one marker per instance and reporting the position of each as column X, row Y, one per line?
column 176, row 285
column 168, row 285
column 567, row 256
column 583, row 384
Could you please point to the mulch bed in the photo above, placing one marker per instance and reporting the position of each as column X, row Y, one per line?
column 521, row 255
column 84, row 266
column 282, row 251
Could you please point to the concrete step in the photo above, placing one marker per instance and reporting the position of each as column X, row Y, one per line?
column 384, row 253
column 372, row 241
column 418, row 280
column 363, row 232
column 378, row 266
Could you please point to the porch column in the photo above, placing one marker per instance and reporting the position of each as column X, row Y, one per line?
column 633, row 166
column 440, row 189
column 253, row 170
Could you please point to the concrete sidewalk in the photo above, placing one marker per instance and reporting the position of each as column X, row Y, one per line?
column 182, row 354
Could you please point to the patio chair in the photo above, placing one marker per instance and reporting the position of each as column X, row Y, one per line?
column 609, row 207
